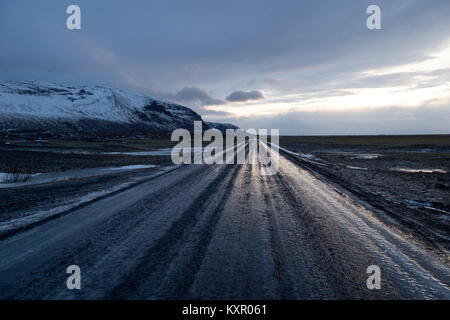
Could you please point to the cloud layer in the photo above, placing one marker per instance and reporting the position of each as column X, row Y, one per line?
column 303, row 56
column 242, row 96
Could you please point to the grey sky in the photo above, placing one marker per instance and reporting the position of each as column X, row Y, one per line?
column 315, row 63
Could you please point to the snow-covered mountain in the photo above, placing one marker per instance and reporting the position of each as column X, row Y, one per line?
column 49, row 109
column 221, row 126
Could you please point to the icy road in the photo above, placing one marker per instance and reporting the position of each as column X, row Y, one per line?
column 221, row 232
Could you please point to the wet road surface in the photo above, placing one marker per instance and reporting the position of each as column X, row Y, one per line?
column 221, row 232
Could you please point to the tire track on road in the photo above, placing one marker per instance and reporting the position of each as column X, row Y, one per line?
column 92, row 245
column 285, row 285
column 150, row 273
column 339, row 258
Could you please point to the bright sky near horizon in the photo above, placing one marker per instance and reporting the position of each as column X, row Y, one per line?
column 305, row 67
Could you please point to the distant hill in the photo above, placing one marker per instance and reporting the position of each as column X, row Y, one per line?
column 43, row 109
column 221, row 126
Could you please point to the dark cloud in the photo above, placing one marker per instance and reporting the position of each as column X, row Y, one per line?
column 209, row 112
column 241, row 96
column 194, row 95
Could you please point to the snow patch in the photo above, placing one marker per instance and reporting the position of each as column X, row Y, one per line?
column 409, row 170
column 38, row 178
column 355, row 168
column 38, row 216
column 366, row 156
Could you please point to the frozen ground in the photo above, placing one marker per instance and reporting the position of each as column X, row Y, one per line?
column 31, row 203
